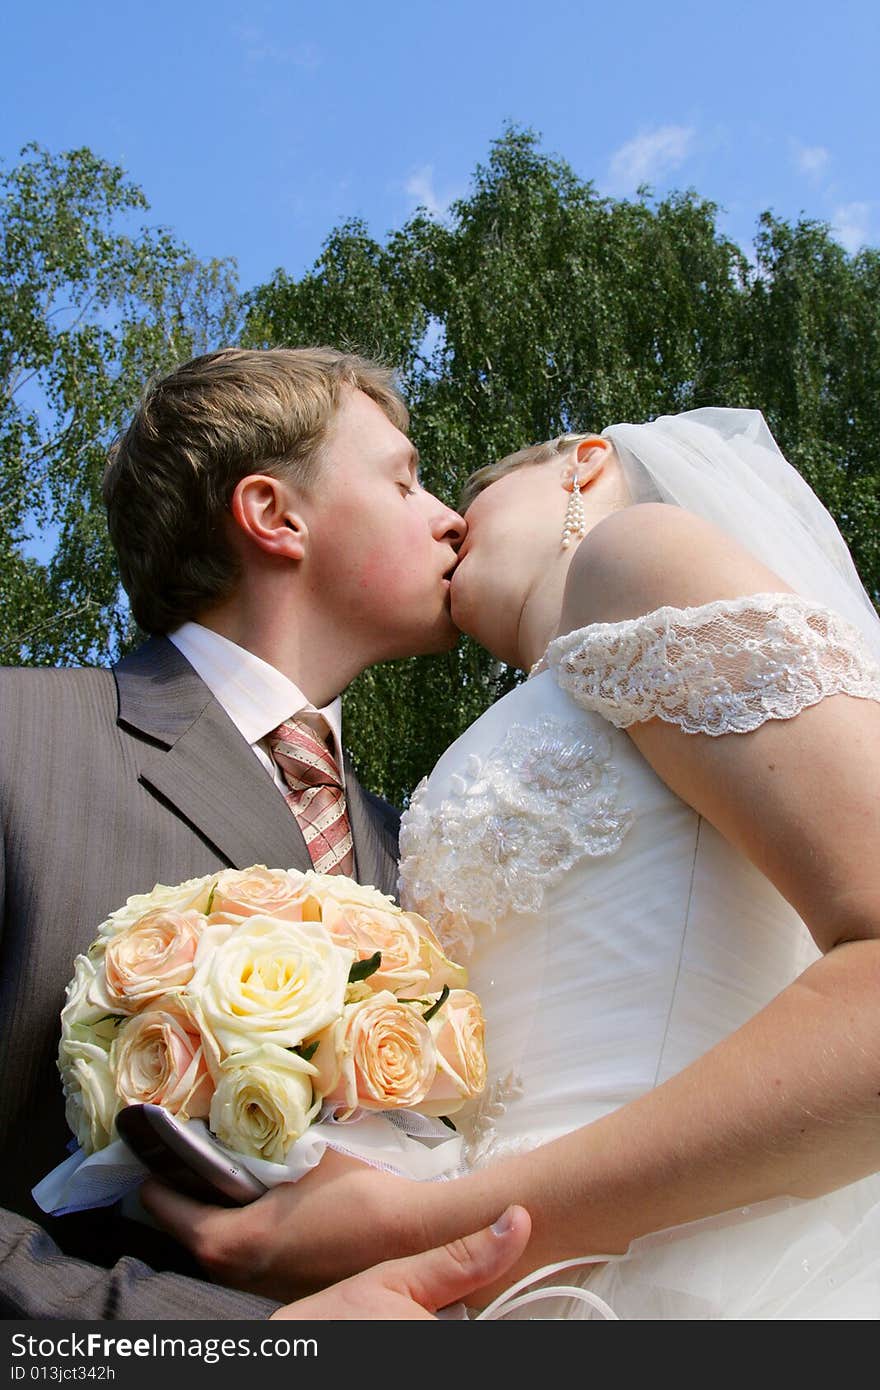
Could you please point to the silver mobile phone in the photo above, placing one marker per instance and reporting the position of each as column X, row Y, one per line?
column 186, row 1157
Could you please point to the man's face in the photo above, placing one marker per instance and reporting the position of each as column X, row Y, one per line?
column 381, row 547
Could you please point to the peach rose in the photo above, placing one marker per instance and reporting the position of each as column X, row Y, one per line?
column 258, row 891
column 458, row 1029
column 151, row 956
column 413, row 962
column 175, row 898
column 159, row 1058
column 382, row 1054
column 263, row 1102
column 365, row 930
column 262, row 980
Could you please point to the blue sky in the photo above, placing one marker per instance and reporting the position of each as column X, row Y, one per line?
column 255, row 126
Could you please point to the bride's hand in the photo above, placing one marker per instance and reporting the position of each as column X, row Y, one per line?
column 341, row 1218
column 413, row 1288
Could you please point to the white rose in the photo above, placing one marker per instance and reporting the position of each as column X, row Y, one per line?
column 90, row 1096
column 85, row 1014
column 264, row 980
column 342, row 889
column 263, row 1102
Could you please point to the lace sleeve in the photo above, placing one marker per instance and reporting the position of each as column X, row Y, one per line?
column 725, row 667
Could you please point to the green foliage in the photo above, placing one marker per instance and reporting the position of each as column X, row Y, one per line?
column 89, row 310
column 540, row 306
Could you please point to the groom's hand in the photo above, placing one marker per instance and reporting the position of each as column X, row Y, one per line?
column 341, row 1218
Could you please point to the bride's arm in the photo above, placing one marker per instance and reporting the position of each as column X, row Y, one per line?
column 788, row 1104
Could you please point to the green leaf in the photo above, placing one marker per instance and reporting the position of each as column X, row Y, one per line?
column 307, row 1052
column 210, row 902
column 438, row 1003
column 363, row 969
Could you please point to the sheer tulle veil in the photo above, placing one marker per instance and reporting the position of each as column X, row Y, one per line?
column 725, row 466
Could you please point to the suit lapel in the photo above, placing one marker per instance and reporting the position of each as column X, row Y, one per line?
column 213, row 779
column 200, row 764
column 196, row 760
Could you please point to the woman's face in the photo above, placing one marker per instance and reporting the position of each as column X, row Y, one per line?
column 514, row 529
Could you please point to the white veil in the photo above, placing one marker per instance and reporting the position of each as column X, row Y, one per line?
column 725, row 466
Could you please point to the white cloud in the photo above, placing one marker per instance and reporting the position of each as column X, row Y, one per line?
column 420, row 187
column 651, row 155
column 258, row 48
column 811, row 159
column 850, row 224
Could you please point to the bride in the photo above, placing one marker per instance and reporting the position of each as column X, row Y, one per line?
column 659, row 858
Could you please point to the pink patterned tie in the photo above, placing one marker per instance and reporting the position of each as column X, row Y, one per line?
column 316, row 796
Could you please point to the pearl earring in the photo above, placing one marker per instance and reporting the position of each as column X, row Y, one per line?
column 575, row 524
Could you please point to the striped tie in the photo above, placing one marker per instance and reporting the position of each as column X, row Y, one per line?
column 316, row 796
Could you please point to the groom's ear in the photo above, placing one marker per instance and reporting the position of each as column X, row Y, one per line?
column 592, row 455
column 265, row 512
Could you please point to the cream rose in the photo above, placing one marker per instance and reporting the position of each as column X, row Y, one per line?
column 383, row 1053
column 263, row 1102
column 84, row 1017
column 151, row 956
column 90, row 1096
column 259, row 891
column 318, row 889
column 458, row 1029
column 159, row 1058
column 438, row 967
column 176, row 898
column 263, row 980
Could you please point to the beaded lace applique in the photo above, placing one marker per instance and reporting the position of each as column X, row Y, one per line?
column 480, row 1127
column 725, row 667
column 515, row 822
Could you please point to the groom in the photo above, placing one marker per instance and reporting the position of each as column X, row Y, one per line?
column 274, row 539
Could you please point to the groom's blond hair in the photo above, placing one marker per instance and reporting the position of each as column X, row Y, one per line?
column 533, row 453
column 195, row 434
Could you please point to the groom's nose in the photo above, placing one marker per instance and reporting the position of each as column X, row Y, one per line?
column 447, row 525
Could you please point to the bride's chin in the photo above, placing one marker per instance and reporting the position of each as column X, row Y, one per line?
column 471, row 618
column 463, row 614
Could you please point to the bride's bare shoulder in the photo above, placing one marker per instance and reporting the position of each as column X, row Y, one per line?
column 651, row 555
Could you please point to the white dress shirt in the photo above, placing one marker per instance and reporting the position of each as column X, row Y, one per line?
column 255, row 695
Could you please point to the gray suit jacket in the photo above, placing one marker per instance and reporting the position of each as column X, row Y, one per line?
column 111, row 782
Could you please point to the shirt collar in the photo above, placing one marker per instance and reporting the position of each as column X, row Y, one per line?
column 256, row 696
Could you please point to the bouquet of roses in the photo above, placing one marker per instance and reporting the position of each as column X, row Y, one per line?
column 271, row 1005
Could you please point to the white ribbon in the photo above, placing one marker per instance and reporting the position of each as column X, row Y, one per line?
column 516, row 1297
column 400, row 1142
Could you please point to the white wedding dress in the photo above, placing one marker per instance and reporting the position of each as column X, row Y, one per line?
column 614, row 936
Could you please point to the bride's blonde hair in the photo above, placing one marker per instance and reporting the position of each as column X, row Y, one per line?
column 534, row 453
